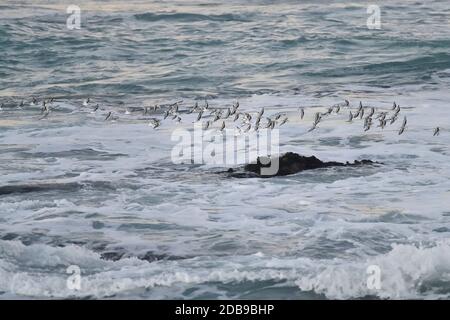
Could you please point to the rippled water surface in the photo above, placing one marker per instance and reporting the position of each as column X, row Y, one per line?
column 106, row 196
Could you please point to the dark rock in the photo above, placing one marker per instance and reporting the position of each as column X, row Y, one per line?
column 97, row 224
column 441, row 229
column 112, row 255
column 9, row 236
column 39, row 187
column 152, row 256
column 288, row 163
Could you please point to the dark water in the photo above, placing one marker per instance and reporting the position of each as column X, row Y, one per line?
column 194, row 49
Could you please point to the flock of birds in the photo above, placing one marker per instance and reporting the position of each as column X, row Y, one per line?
column 369, row 115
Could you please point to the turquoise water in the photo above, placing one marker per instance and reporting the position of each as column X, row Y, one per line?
column 105, row 195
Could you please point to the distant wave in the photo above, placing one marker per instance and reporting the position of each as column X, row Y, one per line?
column 434, row 62
column 54, row 187
column 27, row 188
column 419, row 65
column 188, row 17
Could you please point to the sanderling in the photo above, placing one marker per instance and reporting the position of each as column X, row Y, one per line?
column 402, row 129
column 302, row 113
column 108, row 116
column 155, row 123
column 436, row 131
column 350, row 117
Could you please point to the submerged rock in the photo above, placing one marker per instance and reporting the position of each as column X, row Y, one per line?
column 288, row 163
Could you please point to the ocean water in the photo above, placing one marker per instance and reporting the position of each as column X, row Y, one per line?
column 106, row 196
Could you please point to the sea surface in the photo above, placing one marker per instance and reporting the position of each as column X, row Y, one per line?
column 106, row 198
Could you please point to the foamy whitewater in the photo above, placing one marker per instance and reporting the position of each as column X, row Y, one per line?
column 105, row 196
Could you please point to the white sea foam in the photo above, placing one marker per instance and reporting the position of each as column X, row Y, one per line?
column 314, row 231
column 407, row 271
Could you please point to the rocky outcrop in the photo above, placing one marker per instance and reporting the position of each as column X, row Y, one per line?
column 288, row 163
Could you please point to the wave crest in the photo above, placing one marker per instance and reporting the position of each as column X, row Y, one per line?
column 189, row 17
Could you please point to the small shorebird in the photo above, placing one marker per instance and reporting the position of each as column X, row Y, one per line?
column 317, row 118
column 338, row 108
column 394, row 106
column 86, row 102
column 350, row 117
column 302, row 112
column 360, row 109
column 199, row 115
column 227, row 113
column 166, row 114
column 402, row 129
column 108, row 116
column 233, row 110
column 381, row 116
column 367, row 122
column 45, row 114
column 313, row 127
column 329, row 111
column 284, row 121
column 206, row 126
column 194, row 108
column 235, row 107
column 272, row 125
column 217, row 116
column 175, row 107
column 436, row 131
column 261, row 112
column 155, row 123
column 45, row 108
column 382, row 123
column 397, row 111
column 393, row 119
